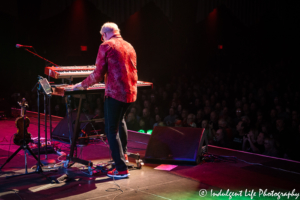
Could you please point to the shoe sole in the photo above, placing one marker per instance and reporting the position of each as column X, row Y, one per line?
column 118, row 176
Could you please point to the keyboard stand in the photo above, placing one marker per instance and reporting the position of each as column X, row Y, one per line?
column 75, row 133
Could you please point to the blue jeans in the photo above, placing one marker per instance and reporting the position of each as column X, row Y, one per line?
column 116, row 130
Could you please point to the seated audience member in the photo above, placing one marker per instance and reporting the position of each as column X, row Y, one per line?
column 156, row 111
column 131, row 122
column 273, row 117
column 207, row 111
column 196, row 106
column 250, row 143
column 222, row 123
column 253, row 112
column 209, row 131
column 170, row 119
column 176, row 98
column 142, row 126
column 247, row 122
column 134, row 112
column 207, row 103
column 147, row 105
column 220, row 138
column 238, row 104
column 225, row 115
column 218, row 109
column 183, row 117
column 238, row 114
column 270, row 149
column 179, row 110
column 282, row 136
column 191, row 120
column 153, row 100
column 164, row 101
column 157, row 120
column 260, row 142
column 224, row 103
column 282, row 113
column 246, row 109
column 214, row 119
column 178, row 123
column 295, row 115
column 199, row 118
column 174, row 105
column 266, row 128
column 259, row 120
column 237, row 142
column 294, row 126
column 212, row 100
column 294, row 144
column 147, row 119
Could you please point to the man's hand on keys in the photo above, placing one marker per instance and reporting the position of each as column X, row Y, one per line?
column 78, row 86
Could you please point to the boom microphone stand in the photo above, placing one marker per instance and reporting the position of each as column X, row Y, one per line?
column 40, row 89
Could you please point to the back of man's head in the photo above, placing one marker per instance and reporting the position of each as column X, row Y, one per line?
column 110, row 27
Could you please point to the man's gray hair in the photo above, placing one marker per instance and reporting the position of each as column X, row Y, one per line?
column 110, row 27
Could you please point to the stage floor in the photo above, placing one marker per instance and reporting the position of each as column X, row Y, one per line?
column 249, row 175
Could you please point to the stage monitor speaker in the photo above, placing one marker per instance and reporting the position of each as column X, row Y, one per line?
column 176, row 145
column 61, row 131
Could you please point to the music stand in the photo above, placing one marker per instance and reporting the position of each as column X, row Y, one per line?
column 45, row 87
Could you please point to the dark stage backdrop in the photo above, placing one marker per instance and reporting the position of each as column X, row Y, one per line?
column 170, row 37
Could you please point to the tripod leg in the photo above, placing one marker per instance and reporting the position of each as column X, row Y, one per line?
column 27, row 147
column 11, row 157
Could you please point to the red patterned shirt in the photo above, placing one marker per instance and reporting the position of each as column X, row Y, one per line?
column 117, row 59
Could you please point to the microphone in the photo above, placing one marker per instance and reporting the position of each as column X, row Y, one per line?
column 20, row 46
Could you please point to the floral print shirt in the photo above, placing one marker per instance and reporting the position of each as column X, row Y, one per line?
column 117, row 60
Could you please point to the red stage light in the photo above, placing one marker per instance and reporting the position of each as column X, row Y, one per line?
column 83, row 48
column 220, row 46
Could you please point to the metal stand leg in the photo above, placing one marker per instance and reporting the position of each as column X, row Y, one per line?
column 46, row 161
column 13, row 155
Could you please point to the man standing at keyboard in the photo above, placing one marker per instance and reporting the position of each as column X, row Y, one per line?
column 117, row 60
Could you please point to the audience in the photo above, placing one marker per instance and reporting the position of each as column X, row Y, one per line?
column 244, row 110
